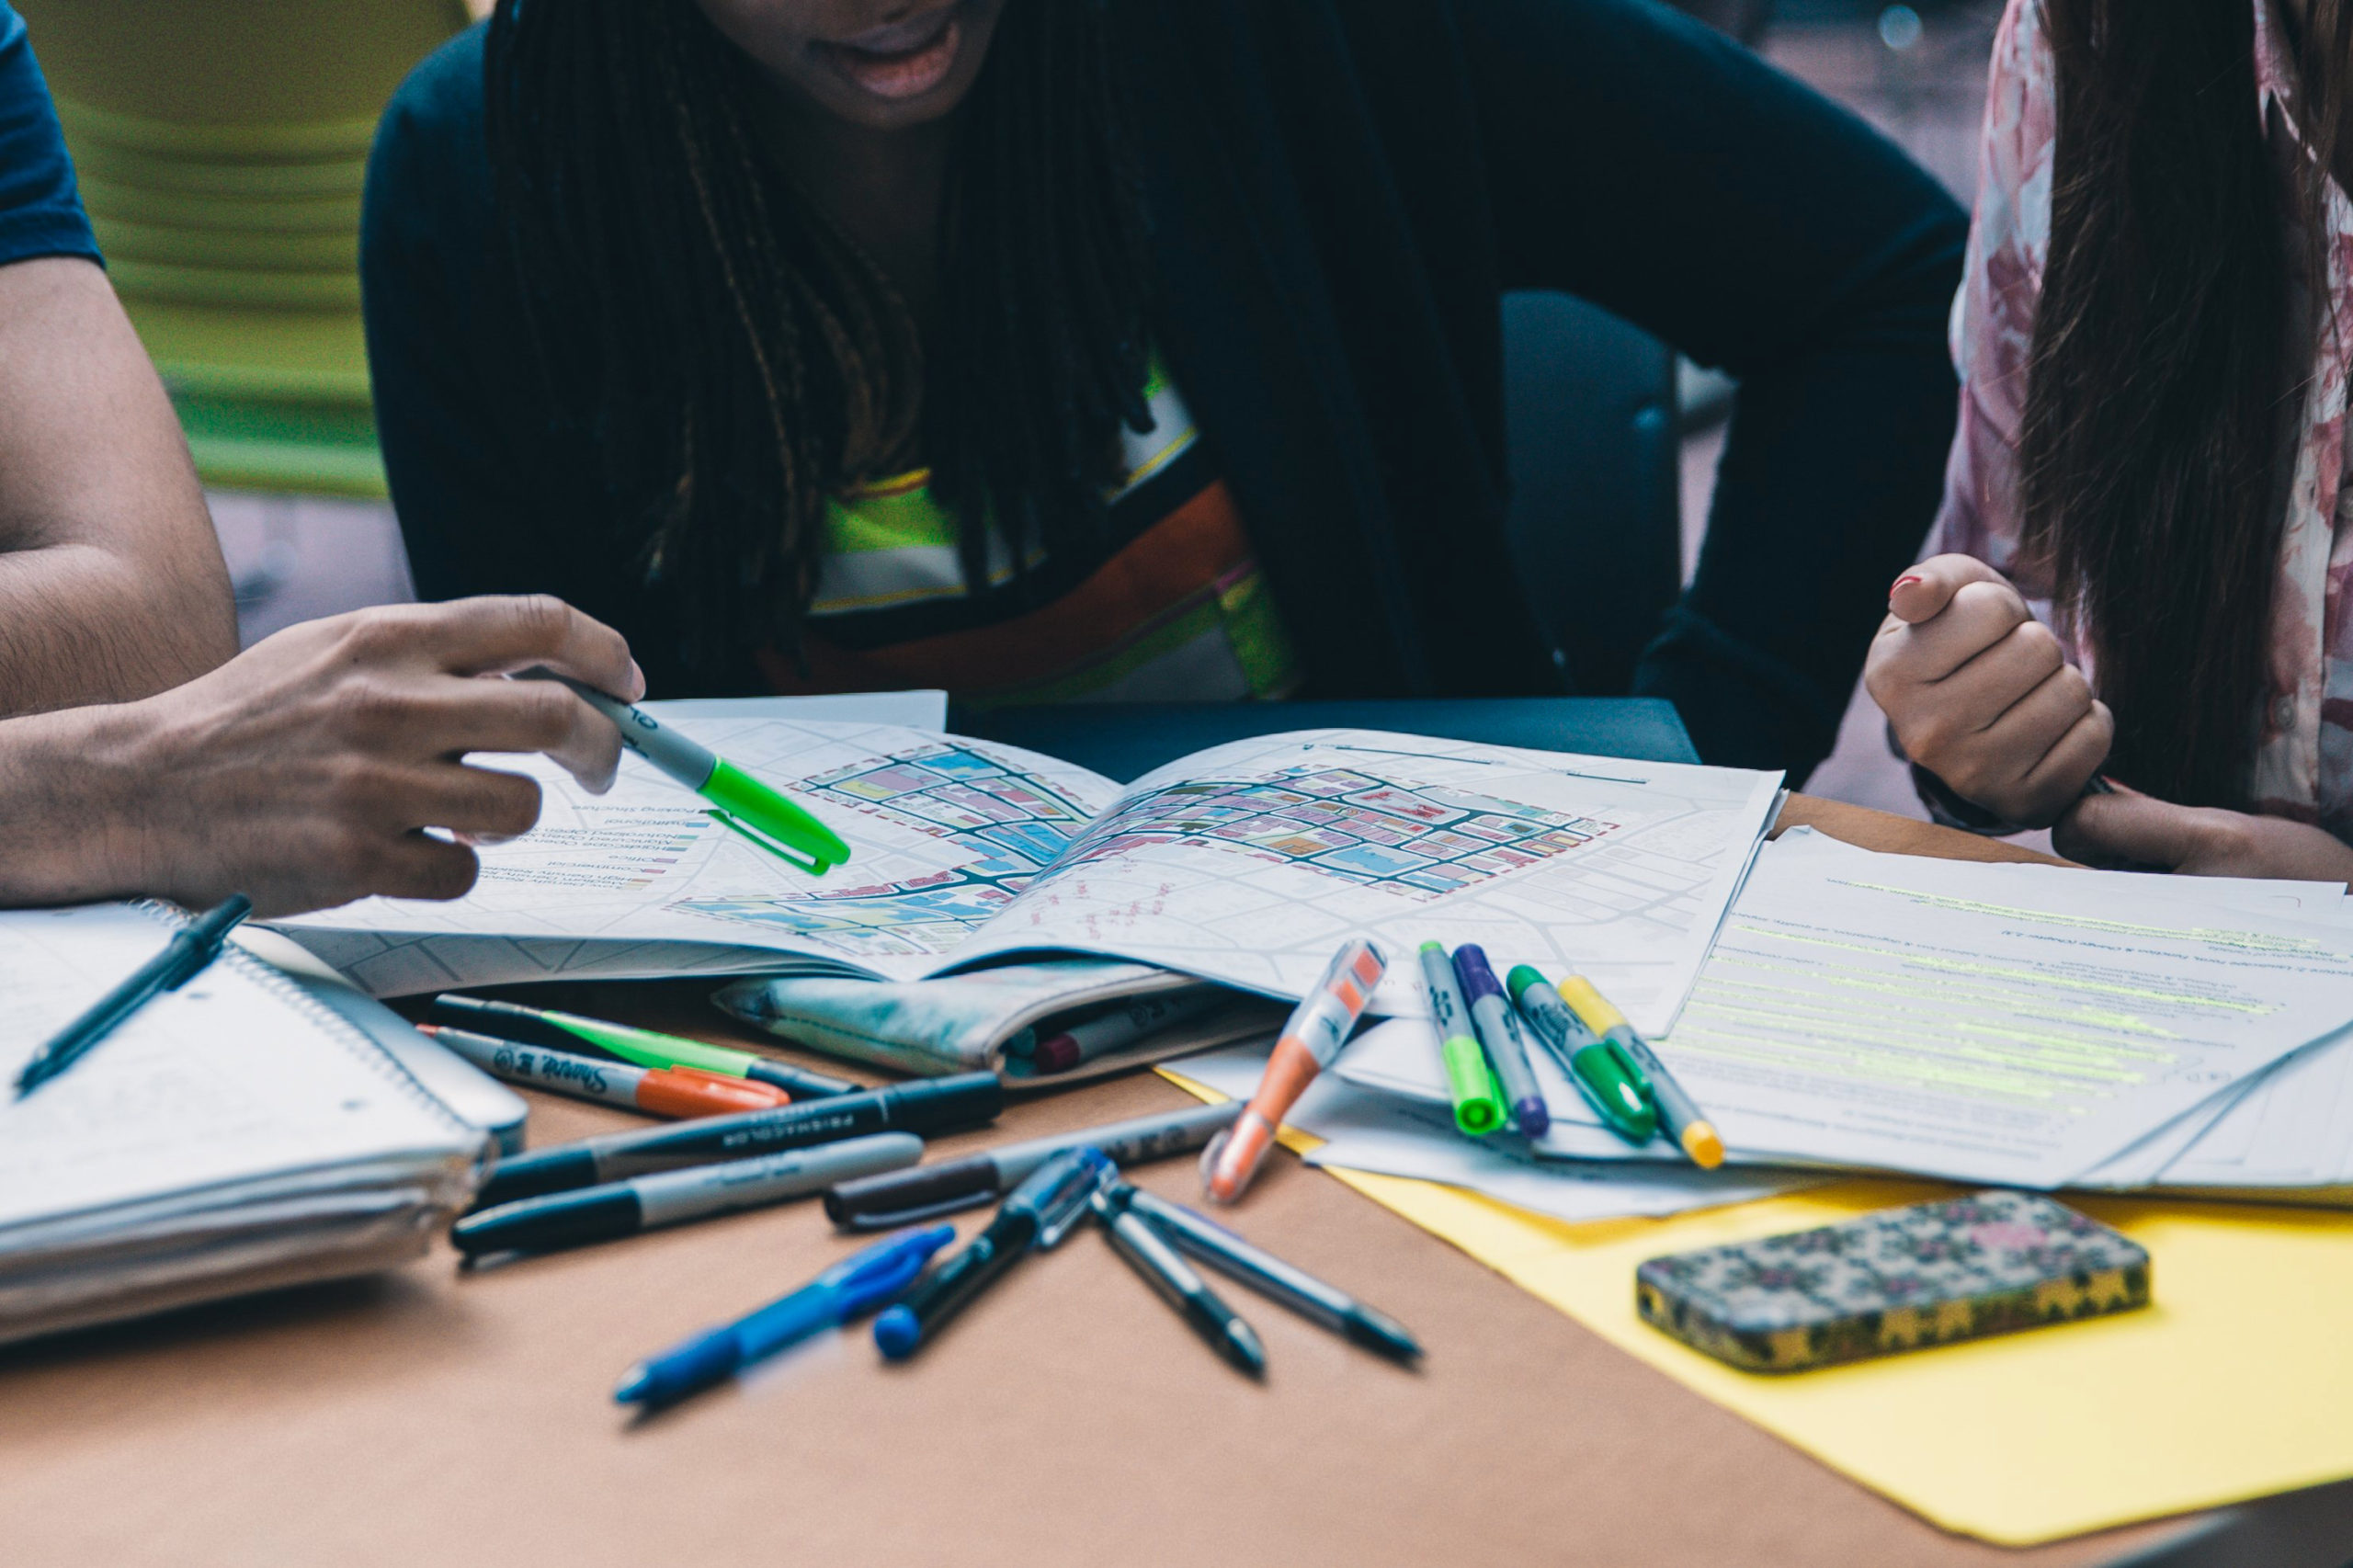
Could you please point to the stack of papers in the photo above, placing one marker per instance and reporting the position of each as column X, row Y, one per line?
column 2026, row 1026
column 233, row 1134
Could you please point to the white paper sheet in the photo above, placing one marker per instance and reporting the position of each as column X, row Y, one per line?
column 2292, row 1128
column 2282, row 1128
column 1961, row 1020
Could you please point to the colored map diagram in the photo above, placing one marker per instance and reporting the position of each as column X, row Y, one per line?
column 1249, row 863
column 1011, row 824
column 1415, row 839
column 1407, row 838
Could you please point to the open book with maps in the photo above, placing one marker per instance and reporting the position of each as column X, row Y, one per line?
column 1245, row 864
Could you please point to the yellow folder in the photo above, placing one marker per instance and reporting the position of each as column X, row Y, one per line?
column 2236, row 1384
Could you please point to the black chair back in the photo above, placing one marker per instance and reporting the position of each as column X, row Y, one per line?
column 1596, row 513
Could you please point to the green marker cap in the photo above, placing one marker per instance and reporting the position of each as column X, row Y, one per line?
column 1521, row 977
column 775, row 823
column 1615, row 1087
column 648, row 1047
column 1479, row 1106
column 1478, row 1098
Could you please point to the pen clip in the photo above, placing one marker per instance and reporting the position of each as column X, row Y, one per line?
column 799, row 860
column 1069, row 1209
column 1059, row 1200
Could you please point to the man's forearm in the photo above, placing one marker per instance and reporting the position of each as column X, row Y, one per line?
column 72, row 833
column 81, row 625
column 111, row 583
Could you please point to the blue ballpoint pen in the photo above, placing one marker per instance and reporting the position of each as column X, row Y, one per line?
column 849, row 1289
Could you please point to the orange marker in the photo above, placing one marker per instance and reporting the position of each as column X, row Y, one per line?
column 658, row 1091
column 1309, row 1040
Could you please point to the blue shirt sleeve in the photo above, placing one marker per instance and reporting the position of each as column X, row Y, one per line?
column 41, row 211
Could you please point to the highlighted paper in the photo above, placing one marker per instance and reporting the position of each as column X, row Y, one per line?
column 1945, row 1019
column 2233, row 1384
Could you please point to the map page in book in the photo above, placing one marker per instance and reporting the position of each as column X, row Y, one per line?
column 1248, row 864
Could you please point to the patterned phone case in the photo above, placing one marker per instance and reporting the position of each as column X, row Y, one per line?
column 1899, row 1279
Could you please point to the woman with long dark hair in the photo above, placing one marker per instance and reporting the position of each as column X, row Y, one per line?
column 2153, row 343
column 1143, row 348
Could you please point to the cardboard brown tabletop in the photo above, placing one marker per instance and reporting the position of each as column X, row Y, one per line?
column 1067, row 1417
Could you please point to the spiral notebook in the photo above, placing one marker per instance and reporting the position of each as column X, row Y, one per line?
column 233, row 1135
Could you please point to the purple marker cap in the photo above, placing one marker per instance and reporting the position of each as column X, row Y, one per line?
column 1471, row 969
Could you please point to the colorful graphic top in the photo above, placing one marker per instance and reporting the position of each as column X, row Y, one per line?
column 1178, row 612
column 2303, row 767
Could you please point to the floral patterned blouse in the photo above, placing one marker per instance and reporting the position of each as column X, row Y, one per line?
column 2303, row 767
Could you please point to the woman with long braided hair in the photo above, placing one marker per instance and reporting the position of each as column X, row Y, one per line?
column 1142, row 348
column 630, row 143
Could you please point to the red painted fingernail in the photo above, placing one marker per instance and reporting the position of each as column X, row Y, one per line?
column 1907, row 577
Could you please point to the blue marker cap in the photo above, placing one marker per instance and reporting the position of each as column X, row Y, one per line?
column 896, row 1333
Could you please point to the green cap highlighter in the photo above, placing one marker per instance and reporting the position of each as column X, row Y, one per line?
column 1478, row 1098
column 1612, row 1082
column 738, row 800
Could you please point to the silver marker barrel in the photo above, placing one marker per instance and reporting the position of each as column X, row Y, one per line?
column 586, row 1214
column 669, row 1197
column 561, row 1072
column 666, row 748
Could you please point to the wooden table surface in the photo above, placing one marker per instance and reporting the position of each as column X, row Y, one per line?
column 429, row 1416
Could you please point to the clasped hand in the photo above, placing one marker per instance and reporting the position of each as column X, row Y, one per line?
column 1981, row 694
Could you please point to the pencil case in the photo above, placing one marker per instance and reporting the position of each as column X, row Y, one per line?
column 1899, row 1279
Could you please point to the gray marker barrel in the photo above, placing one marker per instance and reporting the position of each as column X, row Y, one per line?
column 618, row 1208
column 1128, row 1142
column 902, row 1198
column 1556, row 1027
column 583, row 1078
column 668, row 1198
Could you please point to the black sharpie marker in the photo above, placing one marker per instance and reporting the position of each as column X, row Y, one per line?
column 930, row 1106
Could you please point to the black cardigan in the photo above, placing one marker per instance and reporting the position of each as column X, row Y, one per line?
column 1340, row 192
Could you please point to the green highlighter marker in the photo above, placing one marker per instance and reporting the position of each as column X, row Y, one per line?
column 1478, row 1098
column 739, row 800
column 647, row 1048
column 1611, row 1081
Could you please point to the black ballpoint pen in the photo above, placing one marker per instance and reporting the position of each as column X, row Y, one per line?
column 1037, row 1215
column 1202, row 1237
column 1175, row 1282
column 183, row 958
